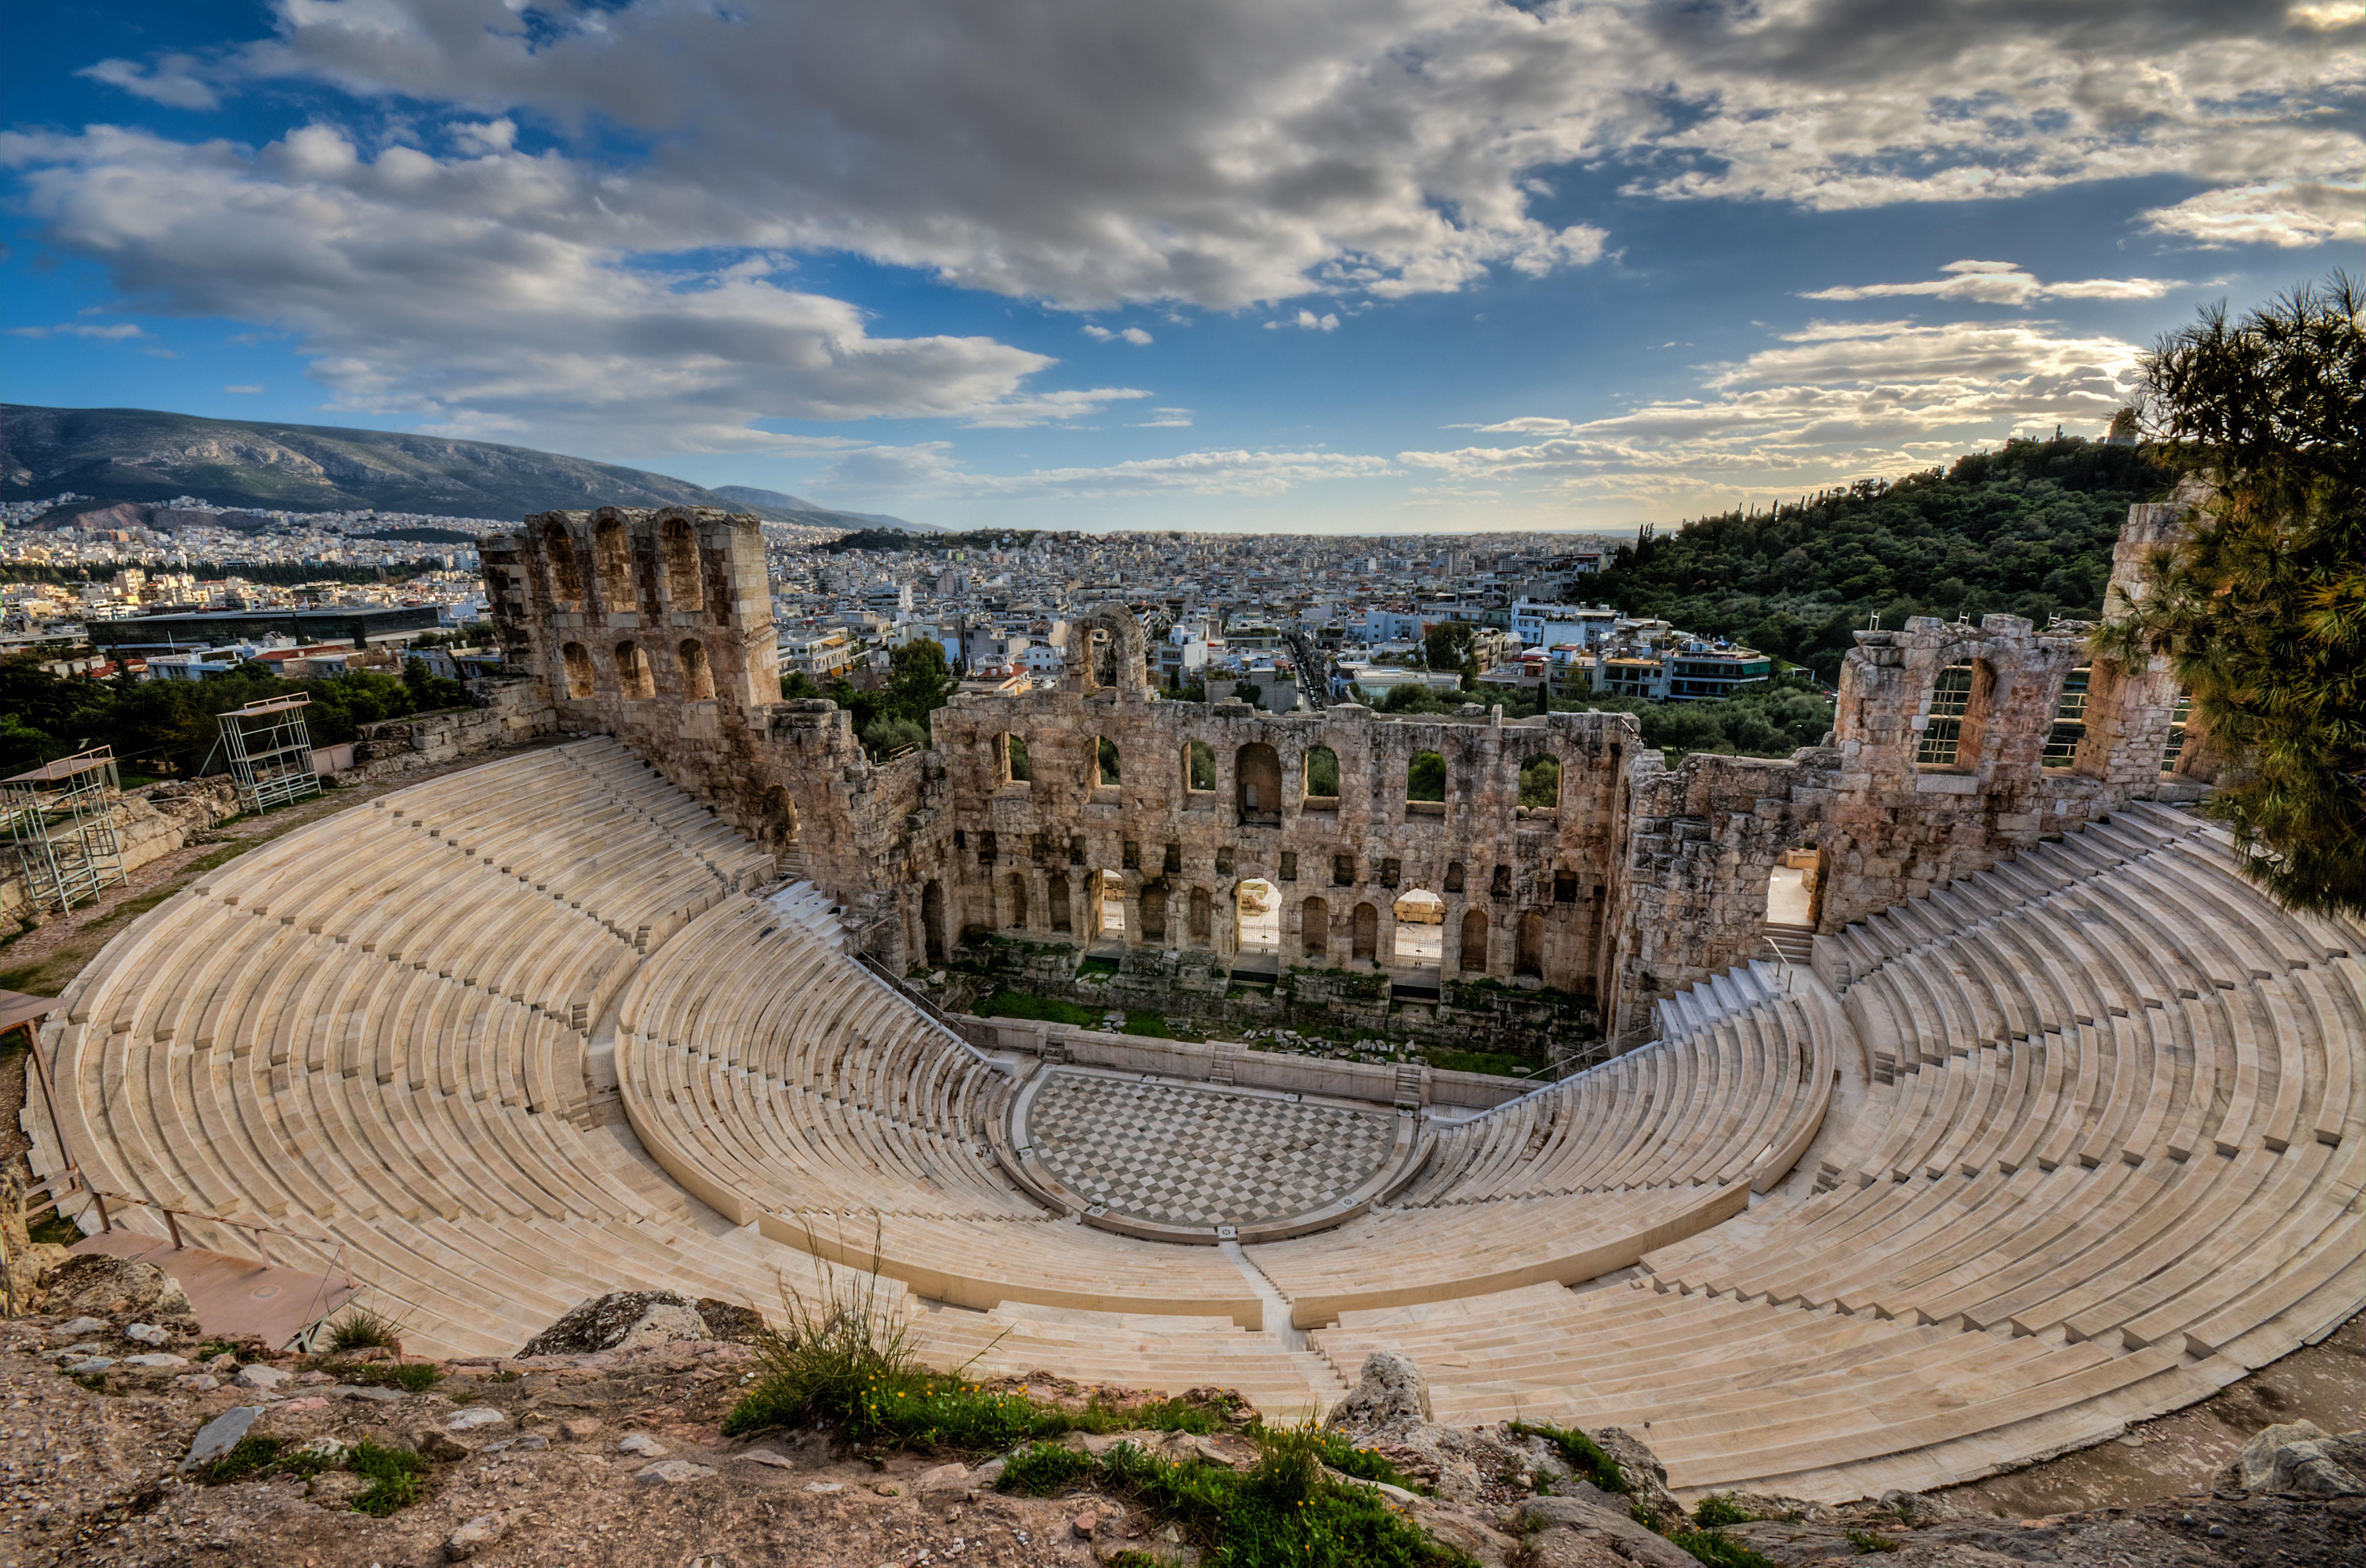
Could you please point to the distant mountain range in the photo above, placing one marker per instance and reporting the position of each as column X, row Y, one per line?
column 142, row 454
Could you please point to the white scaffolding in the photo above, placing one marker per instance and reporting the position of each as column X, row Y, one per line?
column 60, row 822
column 270, row 752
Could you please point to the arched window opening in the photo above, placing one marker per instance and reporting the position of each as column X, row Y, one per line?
column 578, row 661
column 1322, row 778
column 1791, row 887
column 1154, row 913
column 559, row 556
column 932, row 922
column 2069, row 720
column 612, row 557
column 1016, row 768
column 1530, row 958
column 634, row 680
column 1315, row 927
column 1017, row 884
column 1425, row 779
column 1256, row 768
column 1105, row 773
column 697, row 678
column 1198, row 769
column 678, row 547
column 1113, row 892
column 1059, row 900
column 780, row 818
column 1421, row 928
column 1474, row 941
column 1203, row 917
column 1942, row 730
column 1366, row 943
column 1540, row 783
column 1257, row 911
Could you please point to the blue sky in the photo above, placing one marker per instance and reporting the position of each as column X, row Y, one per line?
column 1396, row 264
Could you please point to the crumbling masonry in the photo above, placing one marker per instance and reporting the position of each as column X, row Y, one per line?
column 1639, row 879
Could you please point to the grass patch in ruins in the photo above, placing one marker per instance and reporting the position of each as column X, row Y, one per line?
column 1714, row 1511
column 412, row 1377
column 1151, row 1024
column 1027, row 1004
column 1499, row 1064
column 1716, row 1550
column 362, row 1330
column 396, row 1476
column 1580, row 1452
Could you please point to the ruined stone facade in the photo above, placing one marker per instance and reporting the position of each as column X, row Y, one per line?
column 1041, row 817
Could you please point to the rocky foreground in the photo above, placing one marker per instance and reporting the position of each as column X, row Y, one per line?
column 604, row 1446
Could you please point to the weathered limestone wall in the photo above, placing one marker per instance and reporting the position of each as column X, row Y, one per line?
column 1033, row 857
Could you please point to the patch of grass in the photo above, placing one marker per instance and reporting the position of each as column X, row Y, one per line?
column 362, row 1330
column 1040, row 1468
column 1717, row 1550
column 55, row 1228
column 413, row 1377
column 1284, row 1510
column 131, row 909
column 253, row 1457
column 1027, row 1004
column 396, row 1478
column 1714, row 1511
column 94, row 1381
column 1153, row 1025
column 1499, row 1064
column 213, row 1347
column 1867, row 1541
column 1098, row 967
column 1580, row 1452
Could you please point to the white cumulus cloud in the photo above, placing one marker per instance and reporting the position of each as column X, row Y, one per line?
column 2002, row 282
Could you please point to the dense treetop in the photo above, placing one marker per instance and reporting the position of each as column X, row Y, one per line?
column 2027, row 530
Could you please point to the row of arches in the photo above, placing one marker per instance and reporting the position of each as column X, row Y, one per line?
column 1416, row 930
column 679, row 579
column 1258, row 779
column 636, row 679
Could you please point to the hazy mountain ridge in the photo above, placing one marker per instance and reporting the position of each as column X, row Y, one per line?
column 786, row 507
column 147, row 455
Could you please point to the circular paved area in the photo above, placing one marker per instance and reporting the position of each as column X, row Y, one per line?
column 1185, row 1156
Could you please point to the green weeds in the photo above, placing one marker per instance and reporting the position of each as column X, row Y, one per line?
column 412, row 1377
column 1580, row 1452
column 1867, row 1541
column 396, row 1476
column 1040, row 1468
column 362, row 1330
column 1717, row 1550
column 1714, row 1511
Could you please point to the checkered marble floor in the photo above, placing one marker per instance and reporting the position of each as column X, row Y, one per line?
column 1188, row 1156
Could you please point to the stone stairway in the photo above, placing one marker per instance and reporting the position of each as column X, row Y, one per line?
column 811, row 908
column 1721, row 995
column 1796, row 943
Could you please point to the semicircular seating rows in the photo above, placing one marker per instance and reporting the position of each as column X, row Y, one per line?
column 2109, row 1160
column 2093, row 1147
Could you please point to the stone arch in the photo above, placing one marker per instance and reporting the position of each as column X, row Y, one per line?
column 1114, row 656
column 634, row 683
column 1203, row 917
column 1256, row 774
column 697, row 675
column 1366, row 942
column 1420, row 922
column 1425, row 779
column 779, row 823
column 558, row 560
column 1315, row 927
column 1474, row 941
column 1257, row 916
column 932, row 921
column 575, row 661
column 1529, row 958
column 1541, row 777
column 1108, row 898
column 678, row 556
column 1318, row 779
column 611, row 564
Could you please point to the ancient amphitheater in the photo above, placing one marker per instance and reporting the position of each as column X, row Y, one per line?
column 2062, row 1124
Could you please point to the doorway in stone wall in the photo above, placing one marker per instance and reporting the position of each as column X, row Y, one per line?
column 1257, row 928
column 1795, row 888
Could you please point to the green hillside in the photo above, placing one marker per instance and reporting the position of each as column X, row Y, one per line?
column 2027, row 530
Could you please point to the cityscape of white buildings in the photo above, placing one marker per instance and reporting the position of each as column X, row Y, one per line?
column 1283, row 620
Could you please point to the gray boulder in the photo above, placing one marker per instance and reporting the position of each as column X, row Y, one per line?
column 1390, row 1396
column 94, row 1283
column 2301, row 1459
column 621, row 1320
column 1593, row 1528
